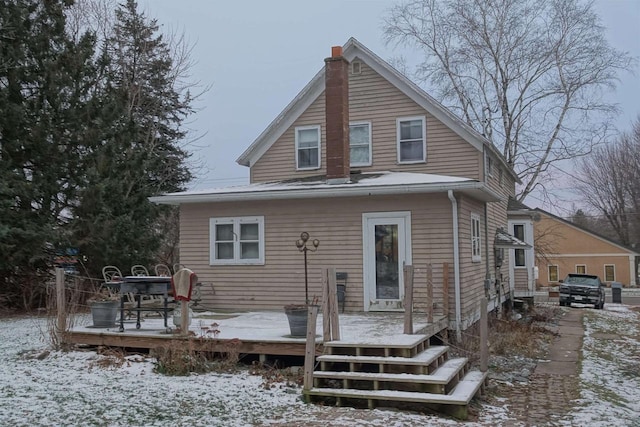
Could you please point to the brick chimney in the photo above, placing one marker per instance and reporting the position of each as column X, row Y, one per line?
column 337, row 116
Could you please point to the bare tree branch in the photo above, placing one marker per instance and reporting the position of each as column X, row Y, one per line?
column 529, row 75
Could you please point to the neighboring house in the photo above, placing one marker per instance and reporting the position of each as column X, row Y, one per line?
column 382, row 175
column 564, row 247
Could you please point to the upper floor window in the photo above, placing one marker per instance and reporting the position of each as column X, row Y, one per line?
column 237, row 240
column 476, row 253
column 518, row 233
column 360, row 143
column 488, row 164
column 412, row 142
column 308, row 147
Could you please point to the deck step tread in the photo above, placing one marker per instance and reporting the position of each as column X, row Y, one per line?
column 425, row 357
column 460, row 395
column 443, row 375
column 398, row 341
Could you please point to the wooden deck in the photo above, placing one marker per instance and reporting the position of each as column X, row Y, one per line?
column 260, row 333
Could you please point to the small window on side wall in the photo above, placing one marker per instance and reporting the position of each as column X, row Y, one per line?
column 609, row 273
column 553, row 273
column 308, row 147
column 476, row 251
column 412, row 143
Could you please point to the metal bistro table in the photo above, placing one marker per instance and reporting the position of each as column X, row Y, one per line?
column 145, row 285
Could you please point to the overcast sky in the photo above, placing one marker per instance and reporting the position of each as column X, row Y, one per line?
column 256, row 55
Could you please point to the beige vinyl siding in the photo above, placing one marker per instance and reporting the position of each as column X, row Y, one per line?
column 337, row 223
column 472, row 274
column 521, row 279
column 374, row 99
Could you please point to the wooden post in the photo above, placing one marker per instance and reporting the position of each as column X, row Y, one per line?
column 445, row 288
column 310, row 348
column 429, row 293
column 184, row 317
column 326, row 317
column 61, row 298
column 407, row 270
column 484, row 335
column 333, row 304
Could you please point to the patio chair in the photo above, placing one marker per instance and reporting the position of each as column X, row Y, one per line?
column 109, row 272
column 139, row 270
column 177, row 267
column 162, row 270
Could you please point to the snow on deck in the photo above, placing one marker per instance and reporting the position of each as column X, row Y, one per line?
column 273, row 326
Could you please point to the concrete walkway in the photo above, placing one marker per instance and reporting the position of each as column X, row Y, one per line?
column 564, row 351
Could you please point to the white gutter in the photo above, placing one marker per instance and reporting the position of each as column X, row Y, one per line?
column 456, row 262
column 337, row 190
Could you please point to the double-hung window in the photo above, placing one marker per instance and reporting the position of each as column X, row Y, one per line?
column 581, row 269
column 308, row 147
column 412, row 139
column 476, row 252
column 237, row 240
column 518, row 233
column 553, row 273
column 360, row 143
column 609, row 272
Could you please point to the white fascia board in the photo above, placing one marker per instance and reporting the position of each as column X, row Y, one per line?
column 285, row 119
column 476, row 189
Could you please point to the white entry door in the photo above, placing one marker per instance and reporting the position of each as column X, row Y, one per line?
column 386, row 247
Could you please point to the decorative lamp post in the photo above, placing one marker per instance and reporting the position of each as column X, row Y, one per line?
column 301, row 244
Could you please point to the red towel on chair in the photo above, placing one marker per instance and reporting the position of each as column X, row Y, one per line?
column 182, row 284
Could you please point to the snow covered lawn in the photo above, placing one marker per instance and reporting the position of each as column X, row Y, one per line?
column 42, row 388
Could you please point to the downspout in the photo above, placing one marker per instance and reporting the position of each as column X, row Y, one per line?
column 456, row 262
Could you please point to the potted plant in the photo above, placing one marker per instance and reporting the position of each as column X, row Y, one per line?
column 297, row 313
column 104, row 308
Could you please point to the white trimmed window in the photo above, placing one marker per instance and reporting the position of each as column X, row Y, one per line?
column 553, row 273
column 609, row 272
column 488, row 164
column 237, row 240
column 360, row 143
column 307, row 147
column 518, row 233
column 476, row 252
column 581, row 269
column 412, row 141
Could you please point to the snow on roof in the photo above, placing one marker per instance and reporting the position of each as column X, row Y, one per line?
column 361, row 184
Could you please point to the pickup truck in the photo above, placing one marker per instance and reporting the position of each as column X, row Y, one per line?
column 582, row 288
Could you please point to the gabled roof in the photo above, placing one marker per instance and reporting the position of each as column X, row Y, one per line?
column 351, row 50
column 584, row 230
column 365, row 184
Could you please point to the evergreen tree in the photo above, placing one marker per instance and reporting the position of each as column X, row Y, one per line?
column 139, row 154
column 46, row 106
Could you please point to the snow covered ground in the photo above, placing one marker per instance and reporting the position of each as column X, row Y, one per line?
column 42, row 388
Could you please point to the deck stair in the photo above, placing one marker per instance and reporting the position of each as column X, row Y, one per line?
column 407, row 371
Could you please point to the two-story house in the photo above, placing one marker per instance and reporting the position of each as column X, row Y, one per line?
column 382, row 175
